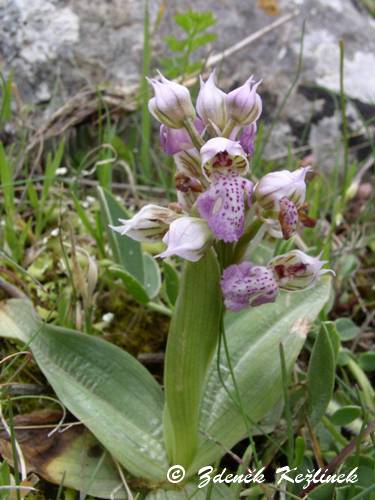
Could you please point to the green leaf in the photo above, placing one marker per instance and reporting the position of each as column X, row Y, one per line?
column 346, row 414
column 125, row 251
column 103, row 386
column 334, row 337
column 347, row 329
column 321, row 375
column 202, row 40
column 171, row 281
column 253, row 338
column 175, row 44
column 152, row 283
column 192, row 340
column 132, row 285
column 366, row 361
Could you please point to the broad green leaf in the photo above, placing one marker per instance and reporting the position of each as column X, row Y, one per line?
column 133, row 286
column 191, row 344
column 171, row 282
column 253, row 338
column 126, row 252
column 321, row 375
column 104, row 387
column 346, row 414
column 347, row 329
column 366, row 361
column 152, row 279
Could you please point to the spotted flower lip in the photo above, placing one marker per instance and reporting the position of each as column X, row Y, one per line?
column 247, row 285
column 171, row 104
column 211, row 103
column 223, row 206
column 296, row 270
column 175, row 140
column 277, row 185
column 221, row 155
column 149, row 224
column 188, row 237
column 244, row 104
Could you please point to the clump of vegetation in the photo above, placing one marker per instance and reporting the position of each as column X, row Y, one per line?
column 87, row 309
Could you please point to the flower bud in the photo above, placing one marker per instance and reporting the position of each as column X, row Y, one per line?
column 276, row 185
column 244, row 105
column 223, row 156
column 171, row 104
column 245, row 285
column 175, row 140
column 188, row 237
column 296, row 270
column 211, row 106
column 149, row 224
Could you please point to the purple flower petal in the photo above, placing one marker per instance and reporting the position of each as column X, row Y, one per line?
column 244, row 285
column 247, row 138
column 223, row 206
column 175, row 140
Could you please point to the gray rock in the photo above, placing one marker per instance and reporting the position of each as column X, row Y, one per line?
column 55, row 47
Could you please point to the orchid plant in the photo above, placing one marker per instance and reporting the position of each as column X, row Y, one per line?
column 223, row 374
column 218, row 215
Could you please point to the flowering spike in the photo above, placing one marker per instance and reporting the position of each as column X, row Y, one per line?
column 188, row 237
column 244, row 104
column 171, row 104
column 223, row 156
column 149, row 224
column 244, row 285
column 211, row 106
column 296, row 270
column 223, row 206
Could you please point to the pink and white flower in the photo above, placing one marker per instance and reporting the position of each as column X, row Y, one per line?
column 296, row 270
column 188, row 237
column 223, row 206
column 221, row 155
column 246, row 285
column 149, row 224
column 281, row 196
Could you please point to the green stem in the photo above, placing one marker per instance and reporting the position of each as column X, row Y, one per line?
column 192, row 342
column 194, row 135
column 333, row 431
column 237, row 399
column 229, row 128
column 345, row 135
column 363, row 382
column 245, row 239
